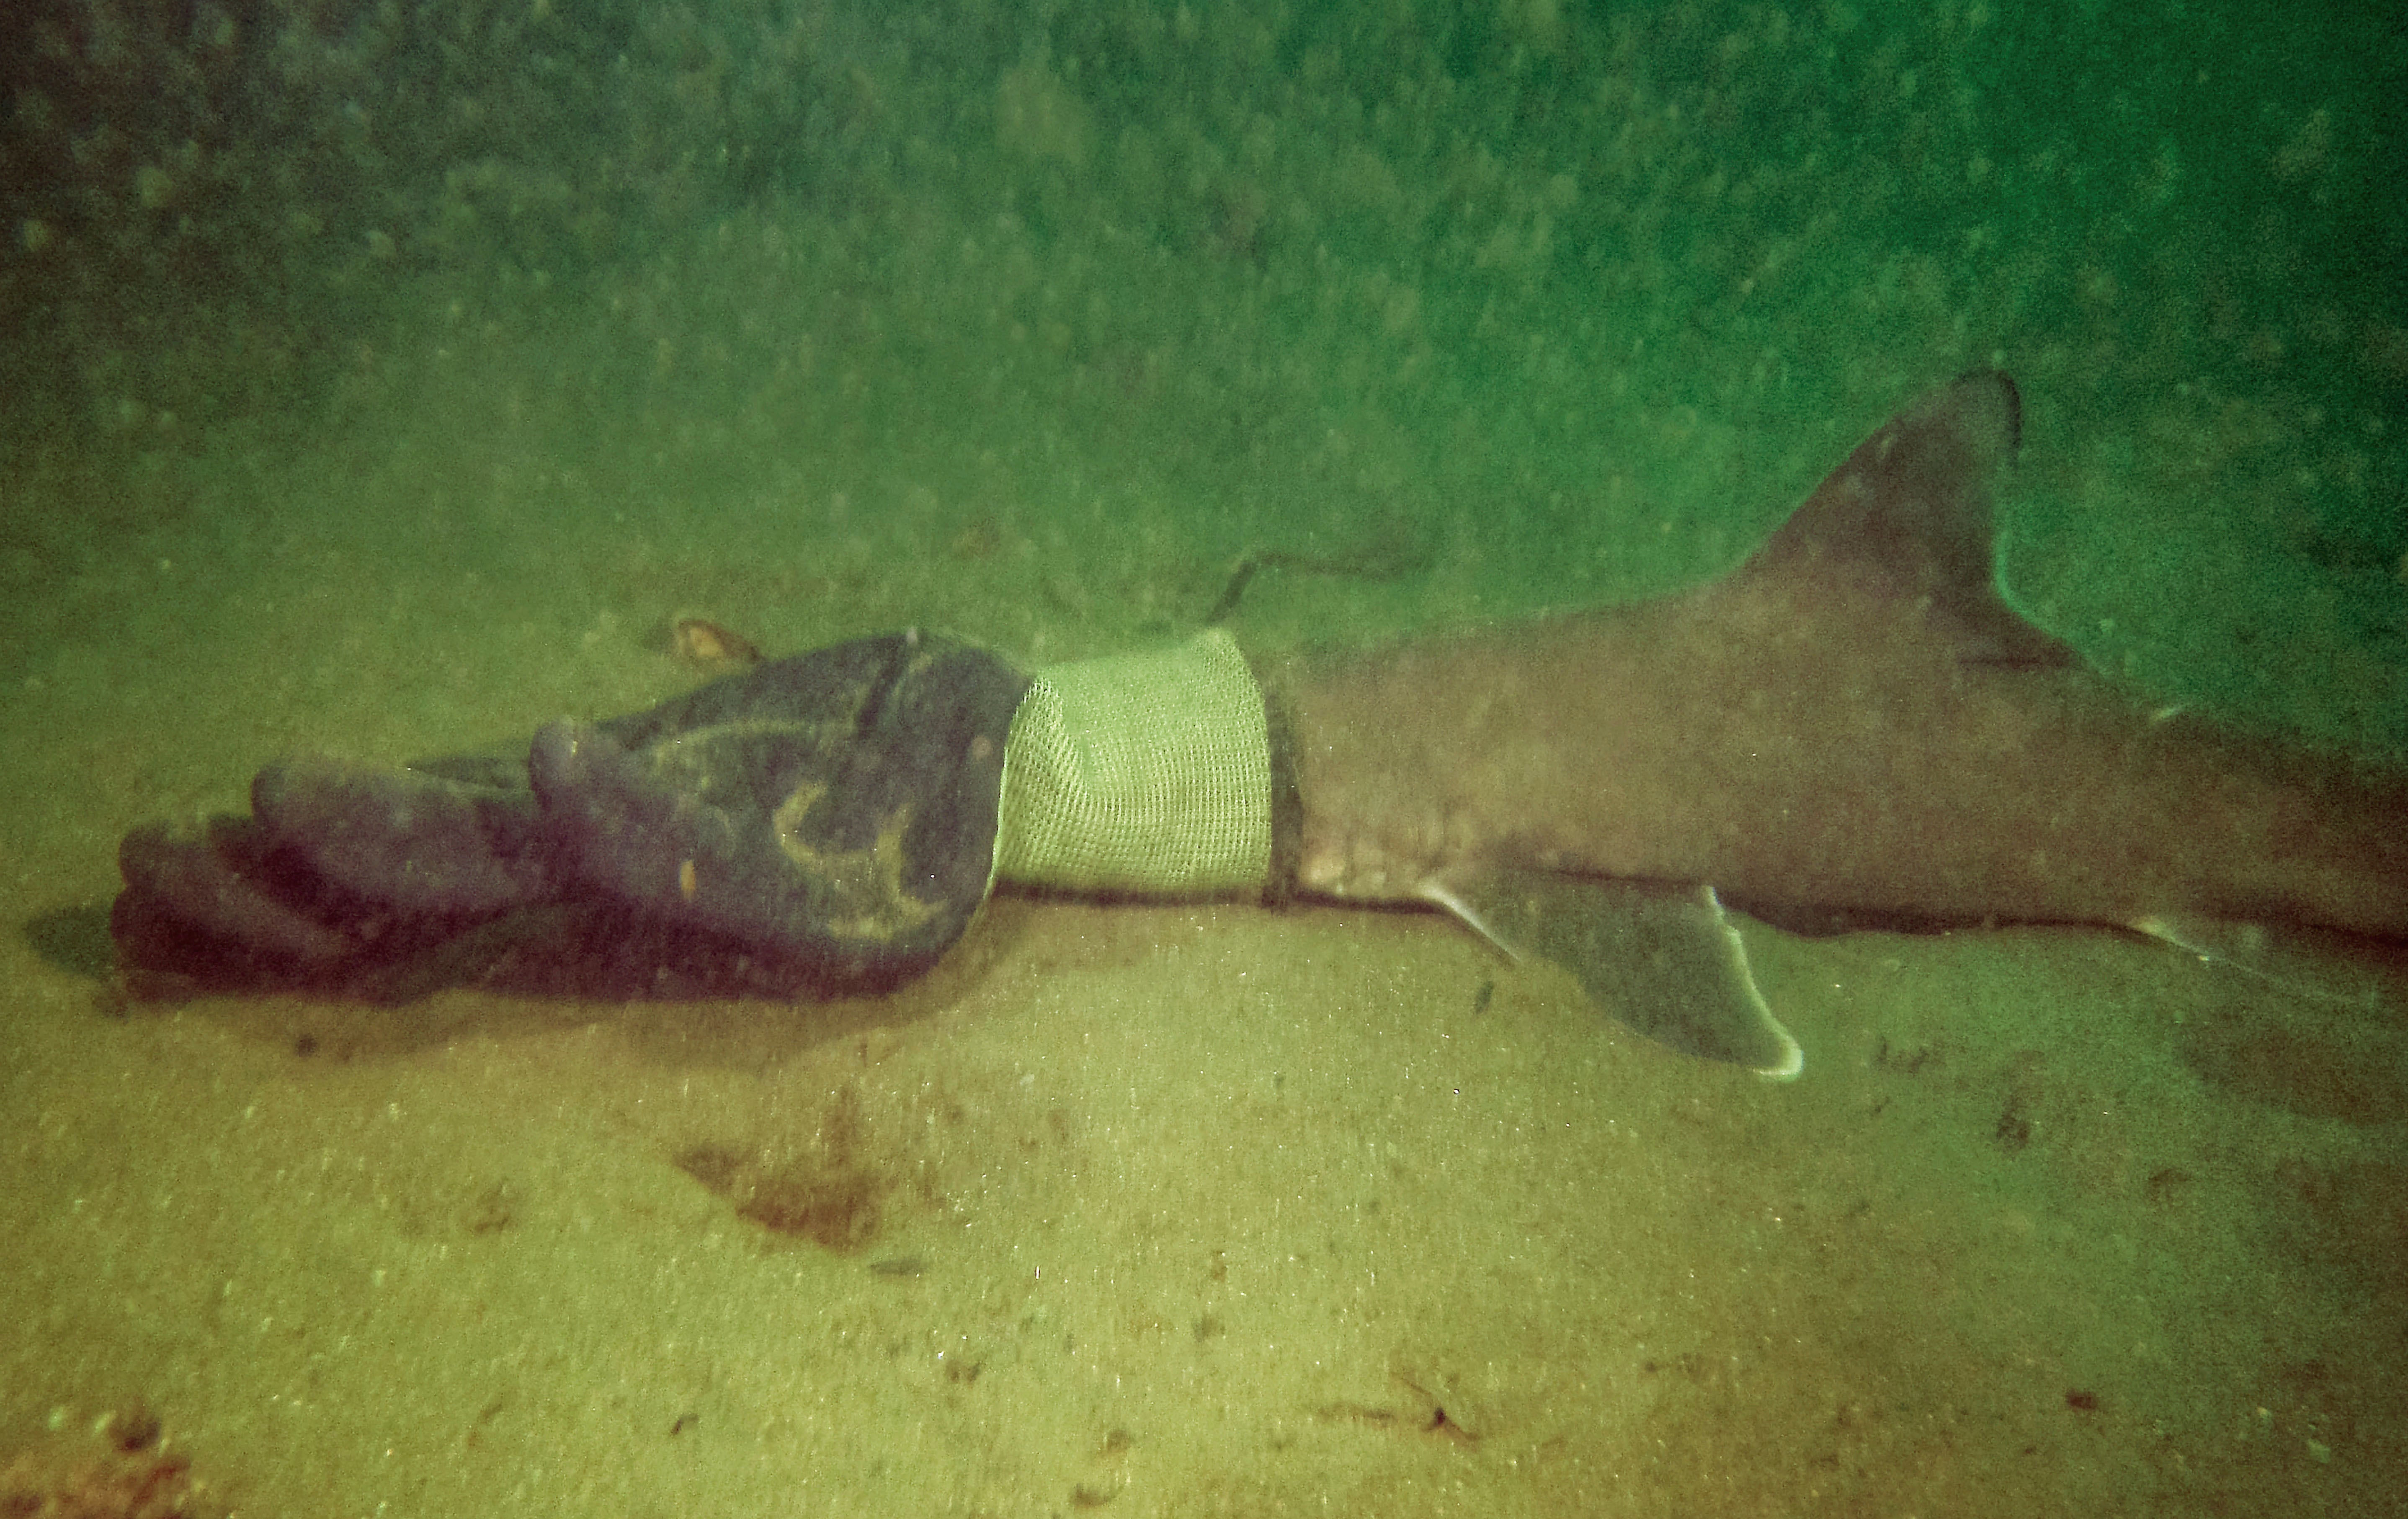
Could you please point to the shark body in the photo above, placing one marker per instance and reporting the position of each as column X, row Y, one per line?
column 1853, row 727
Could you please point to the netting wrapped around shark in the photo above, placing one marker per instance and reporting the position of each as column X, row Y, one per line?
column 1854, row 728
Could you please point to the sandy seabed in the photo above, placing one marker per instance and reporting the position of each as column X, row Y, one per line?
column 1177, row 1211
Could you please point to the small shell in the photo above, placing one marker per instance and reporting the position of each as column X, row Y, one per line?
column 707, row 645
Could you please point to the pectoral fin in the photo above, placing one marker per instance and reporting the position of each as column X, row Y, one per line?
column 1662, row 958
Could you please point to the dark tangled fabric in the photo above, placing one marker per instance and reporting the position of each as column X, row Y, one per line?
column 818, row 825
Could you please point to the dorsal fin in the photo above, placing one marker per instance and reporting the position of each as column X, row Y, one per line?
column 1907, row 518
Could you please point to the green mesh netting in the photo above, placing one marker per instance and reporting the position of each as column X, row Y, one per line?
column 1141, row 773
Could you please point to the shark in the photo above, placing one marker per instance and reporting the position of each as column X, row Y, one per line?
column 1855, row 728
